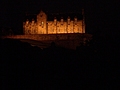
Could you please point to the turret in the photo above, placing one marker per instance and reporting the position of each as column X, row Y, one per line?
column 68, row 20
column 55, row 21
column 33, row 21
column 27, row 22
column 75, row 20
column 61, row 20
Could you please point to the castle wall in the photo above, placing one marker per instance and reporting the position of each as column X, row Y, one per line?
column 41, row 23
column 53, row 37
column 70, row 41
column 51, row 27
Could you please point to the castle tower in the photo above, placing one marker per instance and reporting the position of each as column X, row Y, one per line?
column 33, row 27
column 26, row 27
column 75, row 20
column 68, row 24
column 55, row 25
column 41, row 23
column 61, row 25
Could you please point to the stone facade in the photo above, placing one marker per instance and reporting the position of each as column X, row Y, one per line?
column 43, row 26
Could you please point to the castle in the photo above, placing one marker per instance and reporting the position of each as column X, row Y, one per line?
column 68, row 32
column 44, row 26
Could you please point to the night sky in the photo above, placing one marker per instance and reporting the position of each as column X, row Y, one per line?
column 93, row 66
column 100, row 15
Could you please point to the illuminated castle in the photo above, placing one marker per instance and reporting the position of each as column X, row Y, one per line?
column 44, row 26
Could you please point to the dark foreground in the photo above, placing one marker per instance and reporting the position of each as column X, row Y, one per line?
column 25, row 67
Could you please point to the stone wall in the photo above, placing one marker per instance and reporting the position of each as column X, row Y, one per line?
column 43, row 37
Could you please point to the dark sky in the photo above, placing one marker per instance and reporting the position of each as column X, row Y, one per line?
column 99, row 14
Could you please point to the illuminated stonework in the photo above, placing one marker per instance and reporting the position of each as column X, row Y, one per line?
column 42, row 26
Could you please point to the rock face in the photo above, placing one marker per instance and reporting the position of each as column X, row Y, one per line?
column 65, row 40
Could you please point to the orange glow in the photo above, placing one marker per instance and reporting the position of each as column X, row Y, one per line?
column 42, row 26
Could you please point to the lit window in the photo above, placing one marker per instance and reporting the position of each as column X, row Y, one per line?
column 42, row 24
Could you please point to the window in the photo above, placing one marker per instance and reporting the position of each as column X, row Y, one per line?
column 42, row 24
column 41, row 15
